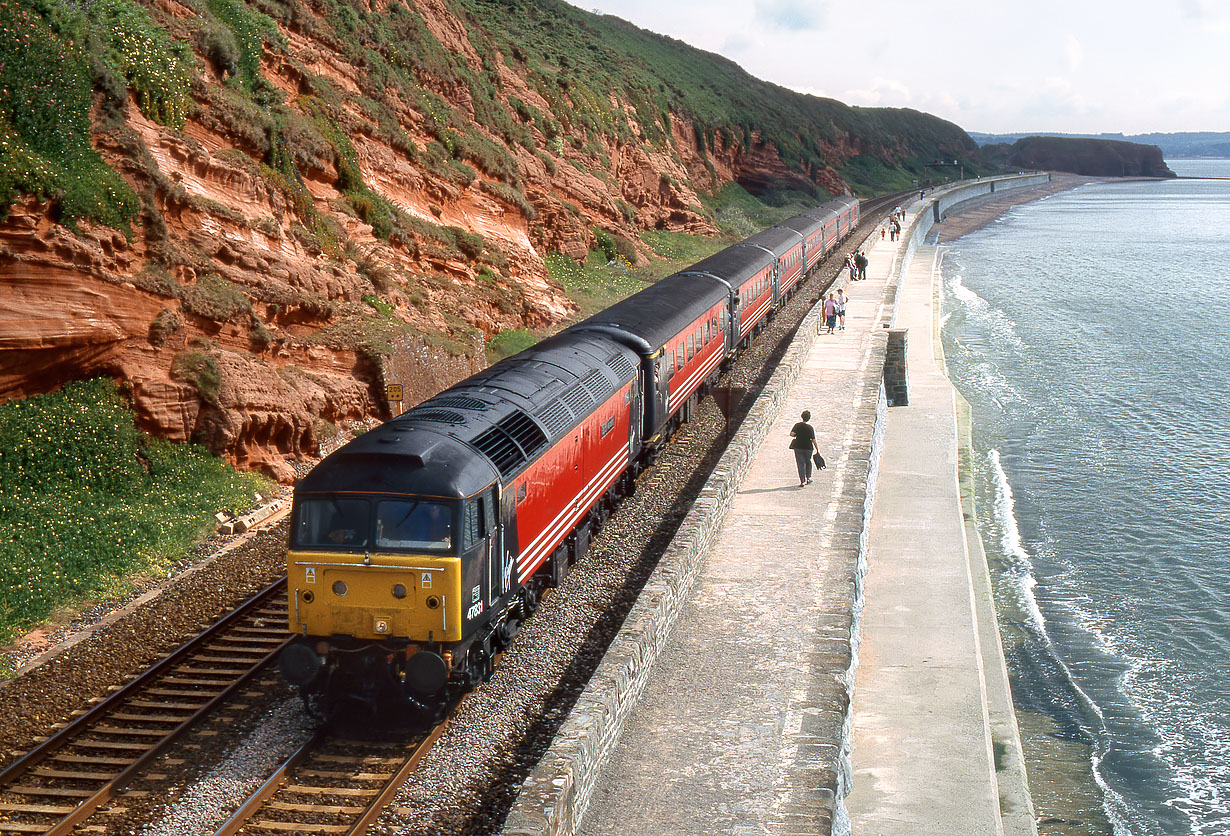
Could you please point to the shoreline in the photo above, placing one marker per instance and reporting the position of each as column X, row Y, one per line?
column 1064, row 791
column 985, row 211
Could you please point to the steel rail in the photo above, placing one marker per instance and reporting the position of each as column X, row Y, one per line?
column 89, row 721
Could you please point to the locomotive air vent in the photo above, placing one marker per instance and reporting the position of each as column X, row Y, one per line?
column 556, row 418
column 579, row 401
column 510, row 443
column 597, row 385
column 438, row 416
column 622, row 366
column 460, row 402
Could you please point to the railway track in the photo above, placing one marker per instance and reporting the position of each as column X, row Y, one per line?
column 327, row 787
column 60, row 783
column 330, row 786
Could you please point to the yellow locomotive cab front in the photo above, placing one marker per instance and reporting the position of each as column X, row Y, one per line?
column 375, row 596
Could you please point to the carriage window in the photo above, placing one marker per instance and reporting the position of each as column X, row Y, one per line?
column 333, row 522
column 414, row 524
column 691, row 347
column 680, row 359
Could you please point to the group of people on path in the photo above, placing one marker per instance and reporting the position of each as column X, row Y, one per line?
column 893, row 226
column 857, row 264
column 835, row 311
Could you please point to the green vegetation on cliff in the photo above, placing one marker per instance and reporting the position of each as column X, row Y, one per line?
column 88, row 500
column 58, row 58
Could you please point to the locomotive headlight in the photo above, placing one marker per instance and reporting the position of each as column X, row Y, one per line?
column 339, row 588
column 399, row 591
column 381, row 625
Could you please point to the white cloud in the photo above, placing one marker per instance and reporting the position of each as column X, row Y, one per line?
column 1074, row 52
column 792, row 15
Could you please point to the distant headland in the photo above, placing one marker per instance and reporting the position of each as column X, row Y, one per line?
column 1089, row 157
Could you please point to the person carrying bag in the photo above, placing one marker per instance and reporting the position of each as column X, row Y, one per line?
column 803, row 444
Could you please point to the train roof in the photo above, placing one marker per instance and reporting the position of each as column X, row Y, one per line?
column 779, row 239
column 661, row 311
column 823, row 214
column 804, row 224
column 735, row 264
column 490, row 424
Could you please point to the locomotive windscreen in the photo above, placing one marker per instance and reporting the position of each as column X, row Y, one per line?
column 403, row 523
column 333, row 522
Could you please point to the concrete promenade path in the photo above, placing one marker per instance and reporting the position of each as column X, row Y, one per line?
column 740, row 724
column 922, row 754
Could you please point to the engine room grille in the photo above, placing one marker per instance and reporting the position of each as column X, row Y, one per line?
column 438, row 416
column 556, row 417
column 512, row 442
column 621, row 365
column 460, row 402
column 597, row 385
column 578, row 400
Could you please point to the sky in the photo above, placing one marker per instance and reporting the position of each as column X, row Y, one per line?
column 1069, row 66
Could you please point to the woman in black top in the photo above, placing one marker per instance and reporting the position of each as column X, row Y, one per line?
column 802, row 445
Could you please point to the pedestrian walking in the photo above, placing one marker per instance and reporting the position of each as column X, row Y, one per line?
column 803, row 443
column 830, row 312
column 852, row 267
column 842, row 299
column 860, row 261
column 883, row 231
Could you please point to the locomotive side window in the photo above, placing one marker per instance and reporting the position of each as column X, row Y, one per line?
column 414, row 524
column 333, row 522
column 473, row 524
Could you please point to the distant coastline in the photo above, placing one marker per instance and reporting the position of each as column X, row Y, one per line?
column 978, row 214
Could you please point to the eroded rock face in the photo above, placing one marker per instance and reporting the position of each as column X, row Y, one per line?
column 240, row 317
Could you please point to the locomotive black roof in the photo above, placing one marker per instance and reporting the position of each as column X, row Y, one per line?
column 734, row 264
column 660, row 311
column 490, row 424
column 779, row 239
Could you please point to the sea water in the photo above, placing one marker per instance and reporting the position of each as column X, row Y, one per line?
column 1090, row 332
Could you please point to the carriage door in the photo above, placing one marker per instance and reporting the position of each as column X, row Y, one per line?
column 635, row 417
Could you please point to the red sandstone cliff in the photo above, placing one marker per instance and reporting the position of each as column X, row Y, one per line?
column 232, row 321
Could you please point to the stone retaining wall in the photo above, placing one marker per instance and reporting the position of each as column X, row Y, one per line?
column 555, row 795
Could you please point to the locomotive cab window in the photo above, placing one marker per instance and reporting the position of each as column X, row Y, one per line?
column 474, row 523
column 415, row 524
column 332, row 523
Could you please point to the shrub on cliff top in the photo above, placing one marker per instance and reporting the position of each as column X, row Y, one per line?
column 45, row 96
column 157, row 67
column 87, row 500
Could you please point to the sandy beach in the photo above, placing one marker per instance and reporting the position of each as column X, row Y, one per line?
column 982, row 212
